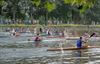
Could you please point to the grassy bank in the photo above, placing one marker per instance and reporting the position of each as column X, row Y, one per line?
column 60, row 25
column 17, row 25
column 23, row 25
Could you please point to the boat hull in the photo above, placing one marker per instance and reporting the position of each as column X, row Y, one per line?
column 71, row 48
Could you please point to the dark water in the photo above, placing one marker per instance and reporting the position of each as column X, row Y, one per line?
column 17, row 50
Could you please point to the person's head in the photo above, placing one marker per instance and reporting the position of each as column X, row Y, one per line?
column 80, row 38
column 37, row 34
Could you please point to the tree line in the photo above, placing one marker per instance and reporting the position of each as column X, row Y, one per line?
column 50, row 11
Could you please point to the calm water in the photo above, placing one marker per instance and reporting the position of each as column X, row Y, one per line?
column 17, row 50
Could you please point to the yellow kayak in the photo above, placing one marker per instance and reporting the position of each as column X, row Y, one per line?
column 71, row 48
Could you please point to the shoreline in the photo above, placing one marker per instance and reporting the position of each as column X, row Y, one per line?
column 59, row 25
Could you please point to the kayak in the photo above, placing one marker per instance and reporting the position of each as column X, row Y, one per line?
column 71, row 48
column 55, row 37
column 72, row 38
column 31, row 41
column 67, row 38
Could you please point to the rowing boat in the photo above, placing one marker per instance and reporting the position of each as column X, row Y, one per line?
column 71, row 48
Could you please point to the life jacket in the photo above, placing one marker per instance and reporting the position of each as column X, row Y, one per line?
column 79, row 43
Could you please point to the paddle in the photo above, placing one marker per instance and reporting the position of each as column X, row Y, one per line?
column 88, row 38
column 92, row 35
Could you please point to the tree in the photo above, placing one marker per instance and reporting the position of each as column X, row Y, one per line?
column 66, row 11
column 82, row 5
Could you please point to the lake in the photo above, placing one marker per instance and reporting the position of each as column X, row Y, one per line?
column 17, row 50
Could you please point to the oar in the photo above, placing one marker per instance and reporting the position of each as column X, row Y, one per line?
column 92, row 35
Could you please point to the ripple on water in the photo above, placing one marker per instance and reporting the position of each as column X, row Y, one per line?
column 33, row 55
column 93, row 62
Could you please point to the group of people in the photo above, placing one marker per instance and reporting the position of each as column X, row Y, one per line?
column 81, row 42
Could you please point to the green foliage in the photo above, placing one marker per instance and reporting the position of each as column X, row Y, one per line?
column 50, row 6
column 42, row 20
column 68, row 1
column 1, row 1
column 93, row 14
column 86, row 4
column 75, row 2
column 36, row 2
column 67, row 11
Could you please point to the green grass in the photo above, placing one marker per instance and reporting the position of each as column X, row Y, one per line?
column 65, row 25
column 60, row 25
column 97, row 25
column 17, row 25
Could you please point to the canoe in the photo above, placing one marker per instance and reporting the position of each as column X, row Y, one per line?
column 71, row 48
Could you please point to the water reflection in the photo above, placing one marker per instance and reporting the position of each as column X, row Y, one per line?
column 79, row 57
column 78, row 54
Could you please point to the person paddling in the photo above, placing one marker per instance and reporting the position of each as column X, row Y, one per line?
column 37, row 40
column 82, row 41
column 79, row 43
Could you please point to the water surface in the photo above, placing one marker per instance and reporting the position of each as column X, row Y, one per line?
column 17, row 50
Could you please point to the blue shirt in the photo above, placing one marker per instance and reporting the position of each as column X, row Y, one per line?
column 79, row 43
